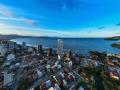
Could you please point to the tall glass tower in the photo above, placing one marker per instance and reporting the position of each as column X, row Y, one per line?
column 59, row 48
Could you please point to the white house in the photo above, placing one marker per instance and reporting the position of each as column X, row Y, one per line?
column 70, row 63
column 11, row 57
column 81, row 88
column 32, row 89
column 39, row 73
column 48, row 84
column 59, row 57
column 51, row 88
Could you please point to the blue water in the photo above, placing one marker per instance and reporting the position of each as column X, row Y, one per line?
column 81, row 45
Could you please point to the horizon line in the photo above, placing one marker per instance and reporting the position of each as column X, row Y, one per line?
column 55, row 36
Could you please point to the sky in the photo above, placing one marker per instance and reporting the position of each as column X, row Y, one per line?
column 60, row 18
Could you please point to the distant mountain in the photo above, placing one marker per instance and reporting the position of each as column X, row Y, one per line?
column 113, row 38
column 14, row 36
column 11, row 36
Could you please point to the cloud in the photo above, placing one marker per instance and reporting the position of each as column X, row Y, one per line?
column 29, row 21
column 8, row 15
column 21, row 19
column 10, row 19
column 84, row 32
column 10, row 29
column 5, row 11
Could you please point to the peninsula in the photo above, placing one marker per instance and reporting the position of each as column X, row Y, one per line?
column 113, row 38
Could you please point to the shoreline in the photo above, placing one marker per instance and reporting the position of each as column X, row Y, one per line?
column 115, row 38
column 85, row 50
column 116, row 45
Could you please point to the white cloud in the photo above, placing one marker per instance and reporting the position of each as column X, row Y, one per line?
column 11, row 19
column 29, row 21
column 5, row 11
column 9, row 29
column 21, row 19
column 8, row 14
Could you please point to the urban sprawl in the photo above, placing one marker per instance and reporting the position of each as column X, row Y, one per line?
column 25, row 67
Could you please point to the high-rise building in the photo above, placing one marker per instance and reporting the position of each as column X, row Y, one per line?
column 24, row 44
column 39, row 48
column 49, row 53
column 59, row 48
column 69, row 55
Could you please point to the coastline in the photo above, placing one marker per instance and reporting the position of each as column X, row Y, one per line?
column 116, row 45
column 83, row 45
column 113, row 38
column 90, row 63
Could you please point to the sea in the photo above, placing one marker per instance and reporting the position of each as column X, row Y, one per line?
column 77, row 45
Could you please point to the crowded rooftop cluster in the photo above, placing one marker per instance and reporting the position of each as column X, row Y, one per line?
column 24, row 67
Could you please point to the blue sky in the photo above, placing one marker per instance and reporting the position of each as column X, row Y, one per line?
column 62, row 18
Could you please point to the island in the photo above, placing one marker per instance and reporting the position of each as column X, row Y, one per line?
column 113, row 38
column 116, row 45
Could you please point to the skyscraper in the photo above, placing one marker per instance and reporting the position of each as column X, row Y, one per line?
column 69, row 55
column 39, row 48
column 24, row 45
column 49, row 53
column 59, row 48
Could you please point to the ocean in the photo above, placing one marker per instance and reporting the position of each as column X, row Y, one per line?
column 79, row 45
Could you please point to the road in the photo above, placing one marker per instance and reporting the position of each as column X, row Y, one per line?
column 17, row 78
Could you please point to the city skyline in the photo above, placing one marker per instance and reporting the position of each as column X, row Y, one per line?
column 61, row 18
